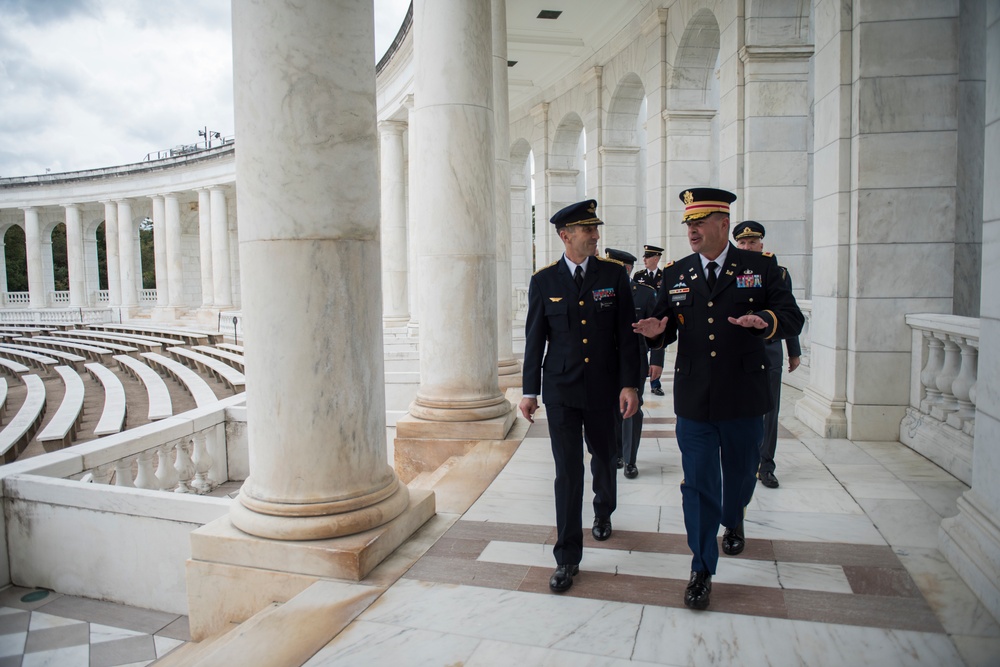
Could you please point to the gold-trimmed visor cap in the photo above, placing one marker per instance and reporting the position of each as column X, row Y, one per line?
column 702, row 202
column 580, row 213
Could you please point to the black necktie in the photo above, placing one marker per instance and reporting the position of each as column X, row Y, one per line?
column 710, row 275
column 578, row 276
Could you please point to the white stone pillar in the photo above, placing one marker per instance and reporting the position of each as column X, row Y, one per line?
column 126, row 255
column 308, row 195
column 74, row 257
column 544, row 242
column 111, row 257
column 394, row 242
column 173, row 252
column 655, row 33
column 508, row 367
column 221, row 276
column 971, row 539
column 689, row 149
column 160, row 251
column 456, row 250
column 413, row 211
column 205, row 247
column 33, row 257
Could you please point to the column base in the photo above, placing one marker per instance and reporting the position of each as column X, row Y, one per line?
column 509, row 371
column 825, row 417
column 493, row 428
column 970, row 541
column 946, row 446
column 165, row 314
column 231, row 575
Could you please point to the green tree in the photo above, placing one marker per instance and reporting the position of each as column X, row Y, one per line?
column 60, row 265
column 17, row 263
column 102, row 258
column 146, row 255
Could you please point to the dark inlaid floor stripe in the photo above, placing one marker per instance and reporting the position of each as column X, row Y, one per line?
column 884, row 595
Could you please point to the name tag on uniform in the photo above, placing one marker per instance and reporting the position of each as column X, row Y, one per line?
column 679, row 293
column 749, row 280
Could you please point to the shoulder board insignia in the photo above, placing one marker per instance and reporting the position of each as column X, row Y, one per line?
column 608, row 259
column 547, row 266
column 646, row 285
column 668, row 264
column 767, row 254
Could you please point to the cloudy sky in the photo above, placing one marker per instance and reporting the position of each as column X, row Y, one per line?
column 97, row 83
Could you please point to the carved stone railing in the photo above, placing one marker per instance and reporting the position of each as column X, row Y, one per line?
column 521, row 309
column 941, row 420
column 60, row 298
column 147, row 296
column 43, row 316
column 16, row 299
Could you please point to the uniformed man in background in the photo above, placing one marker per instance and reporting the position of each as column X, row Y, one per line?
column 652, row 275
column 720, row 304
column 630, row 430
column 749, row 235
column 581, row 355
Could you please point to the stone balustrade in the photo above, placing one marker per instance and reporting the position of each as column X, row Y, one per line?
column 147, row 296
column 16, row 298
column 56, row 316
column 940, row 422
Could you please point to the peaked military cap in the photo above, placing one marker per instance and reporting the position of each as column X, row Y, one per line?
column 748, row 229
column 620, row 256
column 580, row 213
column 702, row 202
column 651, row 251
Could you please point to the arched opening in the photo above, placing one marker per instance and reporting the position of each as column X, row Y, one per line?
column 147, row 256
column 60, row 263
column 15, row 257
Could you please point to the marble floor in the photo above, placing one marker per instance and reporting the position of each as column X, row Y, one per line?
column 841, row 568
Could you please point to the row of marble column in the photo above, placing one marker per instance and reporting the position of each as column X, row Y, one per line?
column 121, row 246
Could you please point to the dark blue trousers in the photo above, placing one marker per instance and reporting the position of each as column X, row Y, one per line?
column 720, row 461
column 569, row 428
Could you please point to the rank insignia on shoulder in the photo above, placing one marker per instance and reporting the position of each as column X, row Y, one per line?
column 668, row 264
column 555, row 299
column 767, row 254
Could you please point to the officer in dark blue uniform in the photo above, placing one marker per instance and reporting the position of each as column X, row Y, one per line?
column 629, row 431
column 720, row 304
column 651, row 275
column 749, row 235
column 581, row 355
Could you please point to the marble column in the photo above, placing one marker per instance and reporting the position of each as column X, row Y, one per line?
column 126, row 255
column 160, row 251
column 112, row 260
column 33, row 258
column 544, row 241
column 394, row 242
column 174, row 257
column 971, row 539
column 308, row 240
column 508, row 368
column 74, row 257
column 654, row 32
column 412, row 220
column 221, row 277
column 456, row 253
column 205, row 247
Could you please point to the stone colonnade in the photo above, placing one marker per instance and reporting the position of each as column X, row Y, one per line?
column 175, row 293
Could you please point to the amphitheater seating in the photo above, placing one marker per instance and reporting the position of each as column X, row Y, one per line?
column 3, row 397
column 185, row 336
column 47, row 343
column 206, row 364
column 144, row 343
column 232, row 358
column 113, row 416
column 238, row 349
column 160, row 404
column 62, row 428
column 37, row 360
column 18, row 433
column 13, row 368
column 105, row 349
column 200, row 391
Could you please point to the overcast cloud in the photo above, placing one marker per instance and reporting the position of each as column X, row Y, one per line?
column 98, row 83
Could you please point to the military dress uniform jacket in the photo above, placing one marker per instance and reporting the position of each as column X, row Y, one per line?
column 644, row 298
column 643, row 277
column 721, row 368
column 774, row 356
column 592, row 351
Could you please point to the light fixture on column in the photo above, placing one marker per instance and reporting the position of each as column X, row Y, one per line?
column 209, row 135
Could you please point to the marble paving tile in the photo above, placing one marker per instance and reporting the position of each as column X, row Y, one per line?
column 639, row 492
column 883, row 581
column 11, row 597
column 43, row 621
column 527, row 488
column 511, row 508
column 122, row 651
column 941, row 496
column 105, row 633
column 13, row 620
column 179, row 629
column 825, row 501
column 808, row 478
column 497, row 530
column 837, row 451
column 959, row 609
column 835, row 554
column 813, row 577
column 51, row 638
column 106, row 613
column 12, row 643
column 977, row 651
column 671, row 566
column 812, row 526
column 165, row 645
column 715, row 639
column 865, row 472
column 469, row 572
column 900, row 613
column 73, row 656
column 491, row 653
column 904, row 523
column 365, row 643
column 645, row 518
column 888, row 489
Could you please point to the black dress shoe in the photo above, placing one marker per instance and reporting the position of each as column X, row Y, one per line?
column 562, row 578
column 620, row 463
column 657, row 391
column 631, row 471
column 768, row 479
column 602, row 528
column 733, row 541
column 698, row 589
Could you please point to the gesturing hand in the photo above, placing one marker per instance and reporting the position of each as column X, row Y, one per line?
column 650, row 327
column 749, row 322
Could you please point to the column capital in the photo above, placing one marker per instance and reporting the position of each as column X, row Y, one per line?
column 656, row 21
column 540, row 112
column 408, row 102
column 391, row 127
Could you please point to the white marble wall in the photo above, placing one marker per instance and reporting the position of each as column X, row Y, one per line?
column 971, row 540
